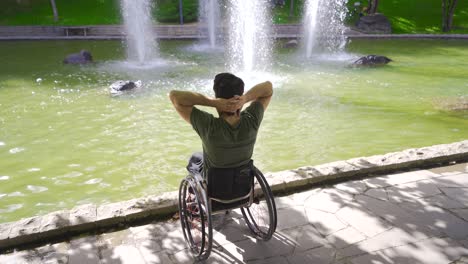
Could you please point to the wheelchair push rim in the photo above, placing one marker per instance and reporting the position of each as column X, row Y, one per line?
column 195, row 218
column 261, row 216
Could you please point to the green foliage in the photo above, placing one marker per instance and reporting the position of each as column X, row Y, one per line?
column 416, row 16
column 281, row 15
column 406, row 16
column 168, row 11
column 39, row 12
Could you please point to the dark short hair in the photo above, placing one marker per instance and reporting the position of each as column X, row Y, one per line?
column 227, row 85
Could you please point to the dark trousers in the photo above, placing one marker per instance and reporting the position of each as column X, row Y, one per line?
column 195, row 164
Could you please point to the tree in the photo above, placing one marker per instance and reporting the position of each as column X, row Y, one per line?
column 372, row 6
column 54, row 9
column 291, row 9
column 448, row 8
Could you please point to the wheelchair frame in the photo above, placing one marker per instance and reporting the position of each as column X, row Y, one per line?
column 195, row 211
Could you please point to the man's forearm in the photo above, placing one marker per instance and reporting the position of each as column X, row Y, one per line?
column 261, row 90
column 185, row 98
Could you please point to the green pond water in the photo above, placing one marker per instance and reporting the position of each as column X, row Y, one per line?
column 64, row 141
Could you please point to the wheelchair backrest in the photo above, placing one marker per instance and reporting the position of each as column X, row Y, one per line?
column 230, row 183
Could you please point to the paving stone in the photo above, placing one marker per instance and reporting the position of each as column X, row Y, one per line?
column 378, row 193
column 173, row 241
column 434, row 250
column 363, row 220
column 413, row 190
column 233, row 231
column 54, row 254
column 116, row 238
column 83, row 251
column 324, row 254
column 291, row 217
column 304, row 237
column 388, row 239
column 457, row 168
column 352, row 187
column 145, row 238
column 458, row 194
column 464, row 242
column 154, row 256
column 273, row 260
column 345, row 237
column 443, row 202
column 252, row 249
column 463, row 213
column 325, row 223
column 400, row 178
column 458, row 180
column 284, row 202
column 300, row 197
column 328, row 200
column 124, row 254
column 395, row 215
column 462, row 260
column 21, row 257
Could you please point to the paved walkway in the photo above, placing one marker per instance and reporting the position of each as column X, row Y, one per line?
column 412, row 217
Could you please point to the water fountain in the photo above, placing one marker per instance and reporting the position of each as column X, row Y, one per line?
column 249, row 43
column 209, row 18
column 324, row 26
column 141, row 40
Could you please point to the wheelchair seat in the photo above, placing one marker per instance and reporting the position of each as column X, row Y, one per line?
column 230, row 187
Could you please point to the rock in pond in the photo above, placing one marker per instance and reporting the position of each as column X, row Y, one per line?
column 372, row 60
column 83, row 57
column 121, row 86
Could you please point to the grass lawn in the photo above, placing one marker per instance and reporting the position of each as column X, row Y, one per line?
column 406, row 16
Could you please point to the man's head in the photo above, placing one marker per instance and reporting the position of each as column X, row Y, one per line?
column 227, row 85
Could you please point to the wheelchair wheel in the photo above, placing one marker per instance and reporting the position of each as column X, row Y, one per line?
column 195, row 218
column 261, row 215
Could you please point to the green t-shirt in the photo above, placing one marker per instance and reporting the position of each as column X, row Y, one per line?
column 225, row 146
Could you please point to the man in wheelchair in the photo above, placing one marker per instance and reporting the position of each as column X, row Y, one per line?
column 228, row 142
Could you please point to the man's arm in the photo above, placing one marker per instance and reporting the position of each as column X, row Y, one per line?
column 261, row 93
column 184, row 102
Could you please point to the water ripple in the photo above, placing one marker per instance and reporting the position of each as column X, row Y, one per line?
column 37, row 189
column 16, row 150
column 11, row 208
column 2, row 143
column 93, row 181
column 16, row 194
column 4, row 178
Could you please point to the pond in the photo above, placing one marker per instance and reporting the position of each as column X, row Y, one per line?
column 65, row 141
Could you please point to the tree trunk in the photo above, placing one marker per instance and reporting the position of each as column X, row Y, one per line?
column 181, row 12
column 291, row 9
column 450, row 14
column 448, row 9
column 373, row 4
column 54, row 9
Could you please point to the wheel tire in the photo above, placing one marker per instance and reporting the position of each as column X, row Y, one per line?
column 195, row 217
column 252, row 214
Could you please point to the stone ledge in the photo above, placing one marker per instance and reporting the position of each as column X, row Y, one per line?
column 90, row 218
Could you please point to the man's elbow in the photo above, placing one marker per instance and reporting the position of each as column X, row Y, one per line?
column 269, row 86
column 173, row 96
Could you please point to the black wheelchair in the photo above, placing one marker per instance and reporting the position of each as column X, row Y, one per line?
column 224, row 189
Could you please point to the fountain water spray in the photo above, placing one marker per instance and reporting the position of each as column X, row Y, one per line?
column 209, row 18
column 141, row 38
column 249, row 42
column 324, row 26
